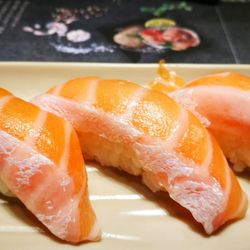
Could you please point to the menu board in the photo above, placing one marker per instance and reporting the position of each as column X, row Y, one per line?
column 125, row 31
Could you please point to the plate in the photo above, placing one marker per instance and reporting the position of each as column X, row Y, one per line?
column 131, row 216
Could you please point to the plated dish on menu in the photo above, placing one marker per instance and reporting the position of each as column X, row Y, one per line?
column 156, row 34
column 76, row 153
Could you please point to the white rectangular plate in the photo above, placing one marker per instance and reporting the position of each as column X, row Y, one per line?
column 131, row 216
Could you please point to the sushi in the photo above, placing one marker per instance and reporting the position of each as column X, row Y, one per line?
column 42, row 165
column 144, row 132
column 221, row 101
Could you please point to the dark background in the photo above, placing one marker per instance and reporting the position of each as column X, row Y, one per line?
column 223, row 27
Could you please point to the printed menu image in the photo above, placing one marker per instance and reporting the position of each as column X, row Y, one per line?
column 120, row 31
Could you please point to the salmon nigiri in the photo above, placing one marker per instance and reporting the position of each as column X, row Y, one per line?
column 41, row 163
column 143, row 132
column 222, row 101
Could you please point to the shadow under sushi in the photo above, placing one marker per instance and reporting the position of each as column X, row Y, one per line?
column 16, row 209
column 162, row 199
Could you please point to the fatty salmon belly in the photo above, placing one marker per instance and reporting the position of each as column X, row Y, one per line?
column 221, row 101
column 41, row 164
column 122, row 125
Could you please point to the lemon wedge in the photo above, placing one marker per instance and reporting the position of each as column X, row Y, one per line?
column 159, row 23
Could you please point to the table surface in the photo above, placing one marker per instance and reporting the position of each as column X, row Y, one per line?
column 83, row 31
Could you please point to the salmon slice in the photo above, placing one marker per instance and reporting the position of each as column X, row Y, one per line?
column 41, row 163
column 144, row 132
column 221, row 101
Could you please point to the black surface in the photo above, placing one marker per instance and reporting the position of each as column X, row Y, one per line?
column 236, row 22
column 222, row 27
